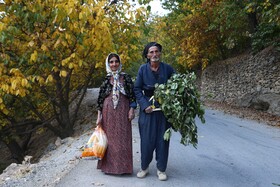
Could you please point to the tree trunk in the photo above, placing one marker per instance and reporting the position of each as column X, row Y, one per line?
column 16, row 151
column 253, row 22
column 66, row 122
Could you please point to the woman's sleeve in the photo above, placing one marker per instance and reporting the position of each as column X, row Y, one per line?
column 102, row 94
column 129, row 86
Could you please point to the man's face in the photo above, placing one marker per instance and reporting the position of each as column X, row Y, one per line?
column 154, row 54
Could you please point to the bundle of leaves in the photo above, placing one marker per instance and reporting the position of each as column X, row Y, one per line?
column 180, row 103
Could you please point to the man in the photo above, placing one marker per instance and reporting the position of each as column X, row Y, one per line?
column 152, row 124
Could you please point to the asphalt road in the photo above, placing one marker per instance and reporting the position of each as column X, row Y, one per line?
column 231, row 152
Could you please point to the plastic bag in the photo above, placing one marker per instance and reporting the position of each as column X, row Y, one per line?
column 96, row 145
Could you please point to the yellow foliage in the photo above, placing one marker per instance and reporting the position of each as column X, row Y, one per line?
column 14, row 71
column 18, row 92
column 24, row 82
column 5, row 87
column 99, row 64
column 73, row 38
column 44, row 47
column 63, row 73
column 64, row 43
column 73, row 55
column 70, row 11
column 34, row 56
column 5, row 111
column 65, row 61
column 71, row 66
column 2, row 26
column 2, row 106
column 38, row 79
column 188, row 37
column 14, row 84
column 57, row 43
column 49, row 79
column 67, row 36
column 31, row 43
column 41, row 80
column 250, row 10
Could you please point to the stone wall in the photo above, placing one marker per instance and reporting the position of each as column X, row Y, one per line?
column 247, row 80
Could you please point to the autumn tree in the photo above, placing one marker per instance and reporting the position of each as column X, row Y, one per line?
column 50, row 52
column 202, row 31
column 127, row 27
column 264, row 17
column 190, row 42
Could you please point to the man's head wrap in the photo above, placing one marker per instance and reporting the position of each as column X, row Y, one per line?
column 147, row 47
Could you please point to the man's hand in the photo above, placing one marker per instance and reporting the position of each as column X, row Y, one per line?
column 149, row 109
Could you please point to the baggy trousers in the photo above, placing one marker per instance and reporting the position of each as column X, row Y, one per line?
column 152, row 127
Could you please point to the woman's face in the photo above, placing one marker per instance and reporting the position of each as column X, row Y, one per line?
column 114, row 63
column 154, row 54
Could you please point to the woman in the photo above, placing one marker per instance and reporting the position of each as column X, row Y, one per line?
column 116, row 104
column 152, row 124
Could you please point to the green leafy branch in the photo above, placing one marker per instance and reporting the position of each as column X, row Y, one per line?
column 180, row 104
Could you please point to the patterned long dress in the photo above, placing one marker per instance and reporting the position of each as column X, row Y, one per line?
column 118, row 156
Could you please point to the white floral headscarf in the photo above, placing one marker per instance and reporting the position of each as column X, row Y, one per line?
column 117, row 86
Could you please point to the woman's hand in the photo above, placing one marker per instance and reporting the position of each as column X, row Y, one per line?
column 131, row 114
column 99, row 118
column 98, row 121
column 149, row 109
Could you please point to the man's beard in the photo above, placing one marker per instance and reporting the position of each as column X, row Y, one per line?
column 156, row 59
